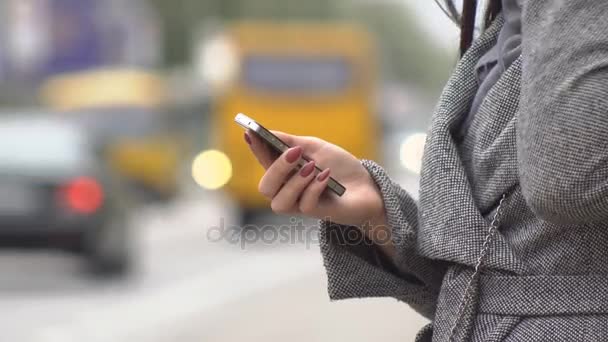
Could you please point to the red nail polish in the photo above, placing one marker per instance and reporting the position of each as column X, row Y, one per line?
column 247, row 138
column 293, row 154
column 323, row 175
column 307, row 169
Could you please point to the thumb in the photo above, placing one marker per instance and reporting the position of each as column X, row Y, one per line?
column 309, row 144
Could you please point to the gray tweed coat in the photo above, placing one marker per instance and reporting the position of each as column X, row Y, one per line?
column 540, row 139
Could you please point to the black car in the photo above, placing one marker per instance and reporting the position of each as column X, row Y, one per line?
column 55, row 193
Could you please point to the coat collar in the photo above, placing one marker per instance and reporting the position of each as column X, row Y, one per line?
column 461, row 88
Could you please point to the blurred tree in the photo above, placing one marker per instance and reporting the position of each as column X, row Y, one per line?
column 178, row 19
column 285, row 9
column 407, row 54
column 181, row 17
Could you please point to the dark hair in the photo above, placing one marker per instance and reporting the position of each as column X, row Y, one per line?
column 466, row 18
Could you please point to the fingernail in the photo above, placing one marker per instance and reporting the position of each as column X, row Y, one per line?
column 307, row 169
column 247, row 138
column 293, row 154
column 323, row 175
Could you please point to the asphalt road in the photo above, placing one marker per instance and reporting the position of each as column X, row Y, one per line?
column 189, row 287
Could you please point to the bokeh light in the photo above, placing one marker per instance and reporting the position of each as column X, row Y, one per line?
column 411, row 152
column 217, row 62
column 211, row 169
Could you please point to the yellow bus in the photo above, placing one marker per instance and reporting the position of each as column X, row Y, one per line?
column 302, row 78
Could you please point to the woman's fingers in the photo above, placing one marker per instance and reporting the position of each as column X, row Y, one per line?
column 278, row 172
column 286, row 199
column 262, row 152
column 280, row 183
column 266, row 155
column 309, row 200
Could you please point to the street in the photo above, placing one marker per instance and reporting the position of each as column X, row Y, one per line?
column 114, row 111
column 189, row 287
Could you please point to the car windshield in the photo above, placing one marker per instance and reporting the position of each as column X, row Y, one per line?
column 119, row 123
column 39, row 145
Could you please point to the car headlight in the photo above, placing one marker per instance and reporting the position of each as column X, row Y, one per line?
column 211, row 169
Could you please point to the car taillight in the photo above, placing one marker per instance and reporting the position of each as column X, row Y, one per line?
column 83, row 195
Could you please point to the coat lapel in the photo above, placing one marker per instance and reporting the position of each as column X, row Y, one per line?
column 451, row 226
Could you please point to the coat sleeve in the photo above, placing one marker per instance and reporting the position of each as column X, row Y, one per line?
column 356, row 268
column 563, row 120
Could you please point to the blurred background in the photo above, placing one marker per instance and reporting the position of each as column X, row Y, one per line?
column 128, row 201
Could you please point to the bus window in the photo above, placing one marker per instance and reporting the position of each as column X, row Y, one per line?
column 296, row 74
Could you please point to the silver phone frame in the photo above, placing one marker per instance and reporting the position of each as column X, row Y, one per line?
column 280, row 146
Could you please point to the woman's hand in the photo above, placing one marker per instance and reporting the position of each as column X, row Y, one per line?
column 294, row 191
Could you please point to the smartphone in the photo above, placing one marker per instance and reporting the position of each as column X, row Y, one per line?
column 280, row 146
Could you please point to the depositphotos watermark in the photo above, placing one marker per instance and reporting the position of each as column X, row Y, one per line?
column 295, row 232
